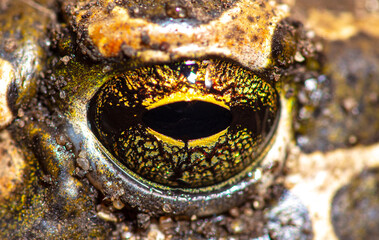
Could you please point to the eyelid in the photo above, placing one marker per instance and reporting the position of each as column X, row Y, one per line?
column 110, row 177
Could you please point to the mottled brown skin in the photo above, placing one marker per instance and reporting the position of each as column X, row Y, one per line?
column 54, row 197
column 58, row 195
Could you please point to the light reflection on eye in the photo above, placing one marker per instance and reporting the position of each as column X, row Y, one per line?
column 190, row 124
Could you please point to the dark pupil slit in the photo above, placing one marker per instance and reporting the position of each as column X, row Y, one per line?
column 188, row 120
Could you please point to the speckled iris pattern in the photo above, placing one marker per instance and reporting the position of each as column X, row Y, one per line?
column 247, row 105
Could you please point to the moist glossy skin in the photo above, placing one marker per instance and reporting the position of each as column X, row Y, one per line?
column 83, row 79
column 68, row 183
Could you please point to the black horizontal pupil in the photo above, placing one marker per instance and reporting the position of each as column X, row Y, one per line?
column 188, row 120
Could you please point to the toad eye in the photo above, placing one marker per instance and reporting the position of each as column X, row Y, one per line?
column 191, row 124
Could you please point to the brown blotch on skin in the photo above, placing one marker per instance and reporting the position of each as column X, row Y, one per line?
column 229, row 35
column 250, row 18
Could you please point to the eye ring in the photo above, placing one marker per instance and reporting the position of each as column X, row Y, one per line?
column 117, row 183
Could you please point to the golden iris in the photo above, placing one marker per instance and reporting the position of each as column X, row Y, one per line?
column 189, row 124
